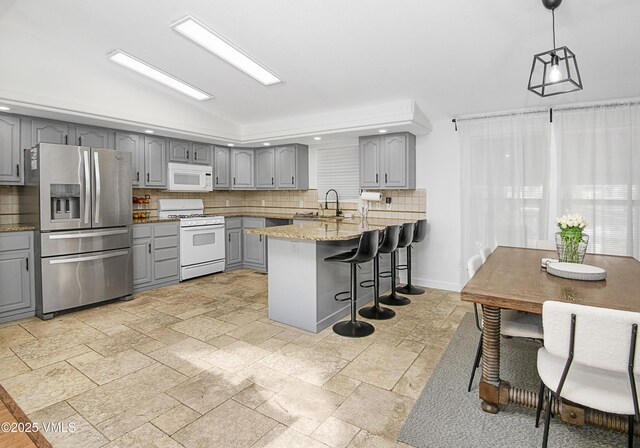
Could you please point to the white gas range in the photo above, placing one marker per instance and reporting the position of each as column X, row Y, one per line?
column 202, row 240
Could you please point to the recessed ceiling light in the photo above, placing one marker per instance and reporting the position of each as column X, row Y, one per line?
column 267, row 144
column 317, row 138
column 5, row 108
column 230, row 144
column 382, row 131
column 148, row 131
column 126, row 60
column 219, row 46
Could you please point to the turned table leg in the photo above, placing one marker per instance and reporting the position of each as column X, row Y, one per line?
column 493, row 391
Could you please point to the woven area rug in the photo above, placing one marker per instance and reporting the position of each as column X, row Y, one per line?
column 446, row 415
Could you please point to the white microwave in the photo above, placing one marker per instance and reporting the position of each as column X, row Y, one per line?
column 183, row 177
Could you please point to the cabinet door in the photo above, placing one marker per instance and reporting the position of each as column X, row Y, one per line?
column 14, row 278
column 155, row 162
column 265, row 168
column 132, row 143
column 395, row 161
column 43, row 131
column 286, row 166
column 179, row 151
column 94, row 137
column 10, row 153
column 254, row 249
column 142, row 261
column 221, row 168
column 233, row 248
column 242, row 168
column 370, row 162
column 201, row 154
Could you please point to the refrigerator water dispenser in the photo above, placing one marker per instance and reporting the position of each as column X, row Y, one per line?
column 65, row 201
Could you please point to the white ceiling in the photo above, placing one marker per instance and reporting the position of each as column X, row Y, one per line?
column 452, row 57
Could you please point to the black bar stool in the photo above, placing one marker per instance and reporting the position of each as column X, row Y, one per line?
column 366, row 251
column 419, row 234
column 406, row 237
column 388, row 244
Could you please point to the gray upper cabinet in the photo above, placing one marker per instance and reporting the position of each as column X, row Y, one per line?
column 221, row 168
column 265, row 168
column 292, row 167
column 155, row 162
column 43, row 131
column 388, row 162
column 179, row 151
column 370, row 162
column 10, row 151
column 242, row 172
column 94, row 137
column 201, row 154
column 132, row 143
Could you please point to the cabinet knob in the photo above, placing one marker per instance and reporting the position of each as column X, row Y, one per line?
column 385, row 178
column 17, row 170
column 376, row 177
column 187, row 154
column 272, row 181
column 137, row 176
column 80, row 141
column 66, row 139
column 149, row 247
column 147, row 177
column 292, row 180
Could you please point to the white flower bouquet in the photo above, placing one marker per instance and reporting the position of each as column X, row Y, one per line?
column 570, row 241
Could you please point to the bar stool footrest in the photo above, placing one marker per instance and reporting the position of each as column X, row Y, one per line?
column 401, row 267
column 385, row 274
column 367, row 283
column 338, row 297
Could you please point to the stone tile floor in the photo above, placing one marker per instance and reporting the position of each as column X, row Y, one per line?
column 200, row 364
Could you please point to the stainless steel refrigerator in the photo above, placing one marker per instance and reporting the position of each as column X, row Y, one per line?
column 79, row 199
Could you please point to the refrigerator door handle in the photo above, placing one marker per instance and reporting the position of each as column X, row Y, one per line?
column 96, row 160
column 91, row 258
column 87, row 187
column 87, row 235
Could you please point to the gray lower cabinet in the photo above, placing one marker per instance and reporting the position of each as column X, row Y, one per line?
column 388, row 161
column 255, row 246
column 221, row 168
column 94, row 137
column 10, row 151
column 242, row 171
column 156, row 260
column 292, row 167
column 265, row 168
column 16, row 276
column 155, row 162
column 233, row 244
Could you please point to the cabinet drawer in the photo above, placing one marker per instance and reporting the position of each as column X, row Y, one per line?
column 164, row 269
column 165, row 230
column 140, row 231
column 14, row 242
column 252, row 223
column 165, row 241
column 170, row 253
column 233, row 223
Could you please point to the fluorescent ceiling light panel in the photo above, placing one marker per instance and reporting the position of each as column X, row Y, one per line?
column 128, row 61
column 205, row 37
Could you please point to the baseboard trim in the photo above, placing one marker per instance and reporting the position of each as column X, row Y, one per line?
column 435, row 284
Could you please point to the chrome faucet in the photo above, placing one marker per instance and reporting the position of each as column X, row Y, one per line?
column 326, row 205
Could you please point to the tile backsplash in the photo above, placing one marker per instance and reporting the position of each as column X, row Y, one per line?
column 404, row 203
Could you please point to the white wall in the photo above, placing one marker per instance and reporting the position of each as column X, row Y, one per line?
column 437, row 261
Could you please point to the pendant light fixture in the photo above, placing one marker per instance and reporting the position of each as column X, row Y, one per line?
column 555, row 71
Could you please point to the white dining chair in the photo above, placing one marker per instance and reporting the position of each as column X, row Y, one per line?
column 485, row 251
column 545, row 245
column 515, row 324
column 589, row 358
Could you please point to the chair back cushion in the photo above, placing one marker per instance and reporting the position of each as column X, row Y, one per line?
column 602, row 337
column 473, row 265
column 420, row 231
column 390, row 239
column 406, row 234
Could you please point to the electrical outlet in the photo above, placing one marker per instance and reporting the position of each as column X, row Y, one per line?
column 226, row 203
column 388, row 202
column 262, row 203
column 300, row 204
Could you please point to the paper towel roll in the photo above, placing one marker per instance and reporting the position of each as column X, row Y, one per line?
column 371, row 196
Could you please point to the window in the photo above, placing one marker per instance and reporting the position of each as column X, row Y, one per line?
column 338, row 168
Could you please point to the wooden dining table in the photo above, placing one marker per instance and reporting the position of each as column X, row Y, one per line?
column 513, row 278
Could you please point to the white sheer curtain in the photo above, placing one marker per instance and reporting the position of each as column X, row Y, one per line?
column 599, row 173
column 505, row 166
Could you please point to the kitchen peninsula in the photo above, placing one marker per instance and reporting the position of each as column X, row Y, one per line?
column 302, row 285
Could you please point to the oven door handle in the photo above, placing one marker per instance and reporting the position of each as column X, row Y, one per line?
column 201, row 228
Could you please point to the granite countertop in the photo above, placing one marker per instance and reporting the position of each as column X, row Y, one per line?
column 16, row 228
column 345, row 229
column 154, row 220
column 268, row 215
